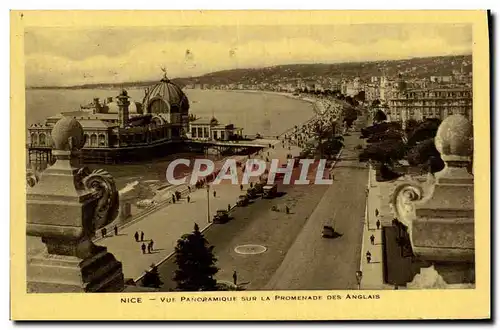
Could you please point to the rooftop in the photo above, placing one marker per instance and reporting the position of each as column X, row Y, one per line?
column 96, row 123
column 201, row 121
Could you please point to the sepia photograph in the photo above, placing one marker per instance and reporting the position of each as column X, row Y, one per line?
column 300, row 162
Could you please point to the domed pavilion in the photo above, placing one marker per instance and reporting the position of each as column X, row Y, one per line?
column 120, row 128
column 169, row 101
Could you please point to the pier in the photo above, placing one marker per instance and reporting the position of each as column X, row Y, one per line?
column 42, row 155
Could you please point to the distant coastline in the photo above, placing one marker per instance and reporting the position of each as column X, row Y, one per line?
column 289, row 95
column 416, row 67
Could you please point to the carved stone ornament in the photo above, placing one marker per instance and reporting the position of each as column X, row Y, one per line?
column 439, row 213
column 65, row 206
column 429, row 278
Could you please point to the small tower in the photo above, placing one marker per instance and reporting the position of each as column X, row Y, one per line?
column 123, row 103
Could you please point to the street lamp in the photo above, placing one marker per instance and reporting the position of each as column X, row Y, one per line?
column 359, row 276
column 208, row 203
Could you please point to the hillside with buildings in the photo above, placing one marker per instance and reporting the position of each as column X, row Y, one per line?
column 329, row 76
column 412, row 68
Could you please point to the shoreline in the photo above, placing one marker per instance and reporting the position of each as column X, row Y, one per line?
column 166, row 160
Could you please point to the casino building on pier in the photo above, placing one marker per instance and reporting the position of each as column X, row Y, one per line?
column 123, row 130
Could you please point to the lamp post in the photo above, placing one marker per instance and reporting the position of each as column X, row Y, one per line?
column 359, row 276
column 208, row 203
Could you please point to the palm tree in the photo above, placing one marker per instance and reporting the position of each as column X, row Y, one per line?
column 333, row 145
column 320, row 133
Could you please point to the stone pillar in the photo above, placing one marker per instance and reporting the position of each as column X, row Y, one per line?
column 439, row 214
column 65, row 206
column 123, row 103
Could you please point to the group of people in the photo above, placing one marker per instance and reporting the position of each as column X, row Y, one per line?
column 372, row 238
column 301, row 135
column 104, row 231
column 150, row 243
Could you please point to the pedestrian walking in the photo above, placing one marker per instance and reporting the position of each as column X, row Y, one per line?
column 368, row 256
column 241, row 187
column 188, row 199
column 378, row 224
column 376, row 212
column 251, row 184
column 143, row 247
column 235, row 278
column 103, row 232
column 287, row 209
column 173, row 198
column 215, row 194
column 152, row 244
column 372, row 239
column 149, row 247
column 189, row 188
column 136, row 236
column 142, row 236
column 116, row 230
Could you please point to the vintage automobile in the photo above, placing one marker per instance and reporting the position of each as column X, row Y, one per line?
column 259, row 187
column 243, row 200
column 328, row 232
column 252, row 193
column 222, row 216
column 270, row 191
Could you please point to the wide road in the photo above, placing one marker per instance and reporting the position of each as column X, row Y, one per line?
column 292, row 241
column 316, row 263
column 320, row 263
column 256, row 224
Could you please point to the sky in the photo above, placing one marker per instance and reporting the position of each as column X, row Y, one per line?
column 73, row 56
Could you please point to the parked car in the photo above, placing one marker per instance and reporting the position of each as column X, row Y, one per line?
column 252, row 193
column 259, row 187
column 328, row 232
column 222, row 216
column 243, row 200
column 270, row 191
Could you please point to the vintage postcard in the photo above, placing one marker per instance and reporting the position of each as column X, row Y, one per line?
column 250, row 165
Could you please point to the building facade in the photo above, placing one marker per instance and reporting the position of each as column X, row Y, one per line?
column 420, row 104
column 203, row 130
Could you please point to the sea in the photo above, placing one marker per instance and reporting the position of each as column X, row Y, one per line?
column 265, row 113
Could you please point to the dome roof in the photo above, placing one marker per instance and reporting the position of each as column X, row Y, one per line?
column 169, row 92
column 134, row 107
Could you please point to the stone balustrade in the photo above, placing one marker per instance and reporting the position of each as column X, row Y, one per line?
column 438, row 215
column 66, row 204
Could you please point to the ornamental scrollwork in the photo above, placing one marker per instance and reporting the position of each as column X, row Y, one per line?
column 101, row 182
column 32, row 178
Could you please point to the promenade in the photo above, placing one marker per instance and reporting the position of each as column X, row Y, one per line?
column 373, row 276
column 167, row 224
